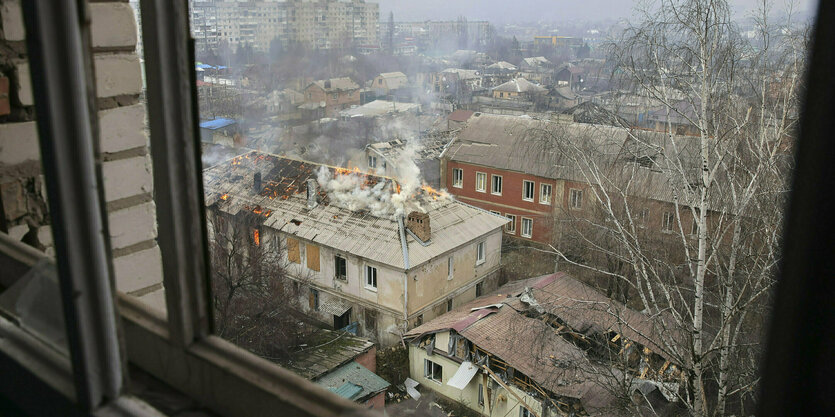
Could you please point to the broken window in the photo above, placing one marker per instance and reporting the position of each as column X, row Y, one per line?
column 667, row 222
column 313, row 257
column 340, row 268
column 497, row 185
column 527, row 190
column 545, row 193
column 527, row 227
column 293, row 254
column 433, row 371
column 457, row 177
column 575, row 199
column 479, row 253
column 511, row 227
column 480, row 182
column 370, row 277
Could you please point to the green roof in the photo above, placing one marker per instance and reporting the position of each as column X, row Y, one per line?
column 353, row 381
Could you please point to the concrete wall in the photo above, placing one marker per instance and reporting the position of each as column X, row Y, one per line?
column 128, row 182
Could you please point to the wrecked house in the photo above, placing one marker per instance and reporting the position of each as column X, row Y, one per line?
column 385, row 157
column 376, row 255
column 547, row 346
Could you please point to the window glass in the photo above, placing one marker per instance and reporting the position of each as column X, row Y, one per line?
column 479, row 257
column 575, row 199
column 457, row 177
column 668, row 221
column 340, row 268
column 527, row 190
column 497, row 185
column 480, row 181
column 370, row 277
column 545, row 193
column 511, row 227
column 527, row 227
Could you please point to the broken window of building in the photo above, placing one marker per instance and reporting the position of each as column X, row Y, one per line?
column 527, row 227
column 457, row 177
column 340, row 268
column 511, row 227
column 480, row 182
column 497, row 185
column 432, row 371
column 312, row 257
column 545, row 193
column 370, row 277
column 527, row 190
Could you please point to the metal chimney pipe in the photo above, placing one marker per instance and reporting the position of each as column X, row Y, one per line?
column 312, row 193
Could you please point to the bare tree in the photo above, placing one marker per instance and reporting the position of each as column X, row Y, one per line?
column 690, row 224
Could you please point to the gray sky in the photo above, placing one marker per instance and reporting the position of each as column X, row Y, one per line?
column 508, row 11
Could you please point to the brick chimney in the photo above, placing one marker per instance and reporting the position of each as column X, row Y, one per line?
column 418, row 223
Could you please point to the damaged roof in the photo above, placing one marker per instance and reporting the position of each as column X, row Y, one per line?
column 428, row 147
column 282, row 205
column 338, row 84
column 520, row 85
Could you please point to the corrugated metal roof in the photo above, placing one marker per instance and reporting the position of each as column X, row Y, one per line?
column 345, row 380
column 463, row 375
column 336, row 306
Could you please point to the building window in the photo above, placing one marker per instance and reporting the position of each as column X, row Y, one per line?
column 479, row 253
column 372, row 161
column 497, row 185
column 481, row 395
column 643, row 218
column 667, row 222
column 371, row 277
column 481, row 182
column 293, row 254
column 694, row 229
column 545, row 193
column 479, row 289
column 527, row 227
column 449, row 305
column 450, row 268
column 523, row 412
column 340, row 268
column 575, row 199
column 433, row 371
column 511, row 227
column 370, row 320
column 314, row 299
column 457, row 177
column 527, row 190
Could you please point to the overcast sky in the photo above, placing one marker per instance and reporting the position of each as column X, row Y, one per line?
column 508, row 11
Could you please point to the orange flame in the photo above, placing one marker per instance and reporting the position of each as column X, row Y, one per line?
column 256, row 237
column 224, row 197
column 435, row 194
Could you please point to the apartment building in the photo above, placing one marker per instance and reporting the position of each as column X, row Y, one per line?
column 383, row 271
column 323, row 24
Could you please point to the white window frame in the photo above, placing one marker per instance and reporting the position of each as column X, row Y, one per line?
column 510, row 227
column 524, row 412
column 483, row 177
column 668, row 220
column 528, row 186
column 493, row 184
column 542, row 195
column 575, row 203
column 480, row 255
column 458, row 178
column 522, row 229
column 372, row 161
column 643, row 218
column 429, row 368
column 371, row 271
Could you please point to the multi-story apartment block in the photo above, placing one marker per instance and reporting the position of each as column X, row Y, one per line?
column 385, row 271
column 322, row 24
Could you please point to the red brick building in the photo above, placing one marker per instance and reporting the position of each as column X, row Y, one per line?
column 331, row 95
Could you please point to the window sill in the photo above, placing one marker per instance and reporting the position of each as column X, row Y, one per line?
column 527, row 236
column 481, row 191
column 545, row 203
column 457, row 186
column 481, row 262
column 496, row 194
column 529, row 200
column 372, row 289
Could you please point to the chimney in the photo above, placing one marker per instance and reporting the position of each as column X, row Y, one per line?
column 418, row 223
column 256, row 182
column 312, row 193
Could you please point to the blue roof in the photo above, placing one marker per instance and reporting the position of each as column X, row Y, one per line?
column 205, row 66
column 345, row 380
column 217, row 123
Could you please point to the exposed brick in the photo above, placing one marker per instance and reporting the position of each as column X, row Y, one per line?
column 19, row 143
column 12, row 16
column 113, row 25
column 24, row 79
column 138, row 270
column 126, row 177
column 132, row 225
column 122, row 128
column 118, row 74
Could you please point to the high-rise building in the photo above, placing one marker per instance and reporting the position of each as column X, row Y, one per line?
column 323, row 24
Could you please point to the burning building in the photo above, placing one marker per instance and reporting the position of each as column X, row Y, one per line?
column 377, row 255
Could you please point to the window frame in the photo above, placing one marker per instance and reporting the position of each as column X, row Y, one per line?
column 550, row 194
column 367, row 274
column 482, row 175
column 429, row 368
column 525, row 184
column 668, row 220
column 336, row 275
column 480, row 253
column 372, row 161
column 450, row 267
column 643, row 218
column 522, row 230
column 507, row 227
column 458, row 177
column 575, row 204
column 493, row 183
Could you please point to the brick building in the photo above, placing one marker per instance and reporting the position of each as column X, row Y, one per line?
column 331, row 96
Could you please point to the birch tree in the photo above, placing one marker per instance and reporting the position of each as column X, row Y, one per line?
column 690, row 225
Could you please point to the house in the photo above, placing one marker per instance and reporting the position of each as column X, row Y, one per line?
column 385, row 157
column 456, row 81
column 546, row 346
column 388, row 83
column 378, row 108
column 501, row 67
column 519, row 88
column 284, row 104
column 370, row 250
column 331, row 95
column 221, row 131
column 571, row 76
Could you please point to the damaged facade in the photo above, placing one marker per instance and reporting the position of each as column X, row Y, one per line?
column 573, row 352
column 377, row 255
